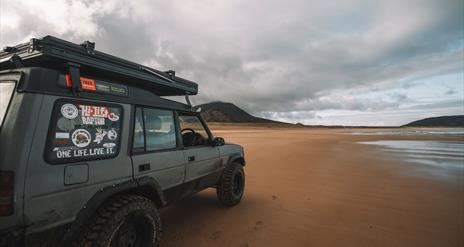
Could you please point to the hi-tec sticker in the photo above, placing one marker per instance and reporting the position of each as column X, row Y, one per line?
column 81, row 138
column 98, row 112
column 69, row 111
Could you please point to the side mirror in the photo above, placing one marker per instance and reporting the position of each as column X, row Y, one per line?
column 218, row 141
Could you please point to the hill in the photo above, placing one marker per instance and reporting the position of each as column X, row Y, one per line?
column 444, row 121
column 229, row 113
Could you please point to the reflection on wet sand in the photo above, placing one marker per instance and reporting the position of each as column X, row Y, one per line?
column 443, row 159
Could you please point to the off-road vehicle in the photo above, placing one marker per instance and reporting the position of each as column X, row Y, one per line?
column 91, row 149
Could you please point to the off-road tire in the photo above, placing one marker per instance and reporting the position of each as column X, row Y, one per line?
column 104, row 228
column 227, row 191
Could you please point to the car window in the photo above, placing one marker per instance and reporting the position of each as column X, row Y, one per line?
column 6, row 91
column 154, row 130
column 83, row 131
column 193, row 131
column 139, row 138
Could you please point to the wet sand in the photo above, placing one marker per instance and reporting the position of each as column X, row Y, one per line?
column 317, row 187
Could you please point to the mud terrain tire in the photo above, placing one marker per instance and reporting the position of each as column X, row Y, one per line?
column 127, row 220
column 232, row 185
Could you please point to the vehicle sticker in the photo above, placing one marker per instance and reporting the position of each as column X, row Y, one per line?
column 65, row 124
column 112, row 134
column 62, row 142
column 93, row 120
column 113, row 117
column 69, row 111
column 109, row 145
column 94, row 111
column 81, row 138
column 84, row 130
column 102, row 87
column 62, row 135
column 99, row 135
column 119, row 89
column 88, row 84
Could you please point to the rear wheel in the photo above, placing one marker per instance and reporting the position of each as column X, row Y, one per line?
column 128, row 220
column 232, row 185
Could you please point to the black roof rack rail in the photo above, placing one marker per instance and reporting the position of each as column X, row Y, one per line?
column 52, row 52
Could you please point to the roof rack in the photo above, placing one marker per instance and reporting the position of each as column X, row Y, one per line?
column 51, row 52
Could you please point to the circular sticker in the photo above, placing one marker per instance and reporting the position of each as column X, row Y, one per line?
column 113, row 117
column 112, row 134
column 81, row 138
column 69, row 111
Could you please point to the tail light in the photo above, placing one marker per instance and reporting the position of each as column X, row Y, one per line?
column 6, row 193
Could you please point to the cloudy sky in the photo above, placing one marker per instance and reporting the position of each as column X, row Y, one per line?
column 317, row 62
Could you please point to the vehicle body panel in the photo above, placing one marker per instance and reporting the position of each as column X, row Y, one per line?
column 49, row 195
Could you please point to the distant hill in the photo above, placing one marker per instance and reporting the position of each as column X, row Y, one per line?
column 444, row 121
column 229, row 113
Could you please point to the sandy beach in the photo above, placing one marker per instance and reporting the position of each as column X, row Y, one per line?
column 320, row 187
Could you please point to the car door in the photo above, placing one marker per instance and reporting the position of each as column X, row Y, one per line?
column 77, row 150
column 155, row 149
column 201, row 157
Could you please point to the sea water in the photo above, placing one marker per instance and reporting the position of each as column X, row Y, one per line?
column 441, row 159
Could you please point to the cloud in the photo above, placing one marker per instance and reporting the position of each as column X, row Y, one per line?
column 267, row 56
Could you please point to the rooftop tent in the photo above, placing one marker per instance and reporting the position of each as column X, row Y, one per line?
column 51, row 52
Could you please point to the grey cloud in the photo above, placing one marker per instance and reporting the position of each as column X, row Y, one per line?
column 273, row 56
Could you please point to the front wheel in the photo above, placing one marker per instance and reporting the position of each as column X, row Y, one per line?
column 232, row 185
column 128, row 220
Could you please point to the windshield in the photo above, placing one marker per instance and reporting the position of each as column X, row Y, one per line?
column 6, row 91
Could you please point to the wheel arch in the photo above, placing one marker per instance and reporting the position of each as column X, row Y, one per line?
column 145, row 186
column 237, row 157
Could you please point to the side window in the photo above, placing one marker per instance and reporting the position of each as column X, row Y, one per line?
column 6, row 91
column 154, row 130
column 83, row 131
column 139, row 138
column 193, row 131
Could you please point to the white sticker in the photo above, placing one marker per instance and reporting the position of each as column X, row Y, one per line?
column 113, row 117
column 93, row 121
column 109, row 145
column 61, row 135
column 112, row 134
column 81, row 138
column 69, row 111
column 99, row 135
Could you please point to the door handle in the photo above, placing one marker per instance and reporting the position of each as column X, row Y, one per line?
column 191, row 158
column 144, row 167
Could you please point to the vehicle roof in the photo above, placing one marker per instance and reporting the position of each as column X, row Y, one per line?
column 54, row 53
column 53, row 82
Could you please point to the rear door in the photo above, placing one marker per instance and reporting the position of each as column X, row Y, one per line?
column 78, row 148
column 202, row 158
column 155, row 149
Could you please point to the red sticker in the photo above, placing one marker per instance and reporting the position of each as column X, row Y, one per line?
column 94, row 111
column 87, row 84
